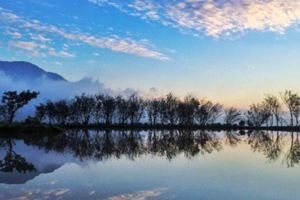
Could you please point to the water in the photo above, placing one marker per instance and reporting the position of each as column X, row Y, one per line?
column 121, row 165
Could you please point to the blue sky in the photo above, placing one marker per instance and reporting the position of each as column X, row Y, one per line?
column 228, row 51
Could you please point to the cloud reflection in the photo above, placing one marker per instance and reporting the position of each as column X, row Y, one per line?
column 141, row 195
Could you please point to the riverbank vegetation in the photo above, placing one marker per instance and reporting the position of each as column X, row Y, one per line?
column 169, row 111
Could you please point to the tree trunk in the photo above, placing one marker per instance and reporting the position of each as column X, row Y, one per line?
column 11, row 118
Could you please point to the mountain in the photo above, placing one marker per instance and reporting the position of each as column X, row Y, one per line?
column 20, row 70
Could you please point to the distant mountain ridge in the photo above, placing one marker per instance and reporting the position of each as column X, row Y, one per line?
column 21, row 70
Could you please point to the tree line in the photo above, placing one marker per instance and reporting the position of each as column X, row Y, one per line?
column 169, row 110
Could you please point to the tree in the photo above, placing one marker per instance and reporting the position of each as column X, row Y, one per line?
column 122, row 110
column 12, row 101
column 187, row 109
column 169, row 109
column 135, row 109
column 274, row 106
column 292, row 101
column 208, row 112
column 258, row 114
column 82, row 108
column 153, row 109
column 2, row 113
column 232, row 116
column 62, row 111
column 40, row 112
column 98, row 115
column 50, row 111
column 108, row 109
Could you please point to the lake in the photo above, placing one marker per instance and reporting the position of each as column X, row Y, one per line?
column 177, row 164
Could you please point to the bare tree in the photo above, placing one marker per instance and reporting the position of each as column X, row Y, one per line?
column 98, row 116
column 62, row 111
column 187, row 110
column 2, row 113
column 108, row 109
column 232, row 116
column 41, row 112
column 258, row 115
column 83, row 108
column 208, row 112
column 122, row 110
column 135, row 109
column 169, row 109
column 153, row 109
column 274, row 106
column 292, row 102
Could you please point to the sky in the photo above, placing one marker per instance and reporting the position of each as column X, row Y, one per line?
column 230, row 51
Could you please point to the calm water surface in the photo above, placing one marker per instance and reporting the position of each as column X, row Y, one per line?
column 151, row 165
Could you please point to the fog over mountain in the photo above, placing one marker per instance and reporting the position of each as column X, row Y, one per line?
column 24, row 75
column 18, row 76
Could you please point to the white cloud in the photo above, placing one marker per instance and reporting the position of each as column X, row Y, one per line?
column 40, row 38
column 57, row 192
column 141, row 195
column 39, row 49
column 62, row 53
column 14, row 34
column 28, row 46
column 53, row 182
column 214, row 17
column 114, row 43
column 57, row 63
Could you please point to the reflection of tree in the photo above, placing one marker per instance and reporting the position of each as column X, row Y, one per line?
column 269, row 145
column 260, row 141
column 232, row 138
column 130, row 144
column 293, row 155
column 81, row 144
column 187, row 143
column 102, row 145
column 191, row 143
column 275, row 149
column 163, row 143
column 208, row 142
column 13, row 161
column 107, row 144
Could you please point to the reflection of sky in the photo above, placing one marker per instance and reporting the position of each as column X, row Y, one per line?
column 234, row 172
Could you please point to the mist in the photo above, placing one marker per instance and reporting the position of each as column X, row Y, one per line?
column 55, row 90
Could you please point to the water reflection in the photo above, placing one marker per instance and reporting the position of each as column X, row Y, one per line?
column 103, row 145
column 293, row 154
column 23, row 158
column 13, row 161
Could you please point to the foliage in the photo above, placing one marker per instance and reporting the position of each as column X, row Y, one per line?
column 12, row 101
column 168, row 110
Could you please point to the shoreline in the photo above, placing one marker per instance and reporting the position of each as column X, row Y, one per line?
column 179, row 127
column 22, row 128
